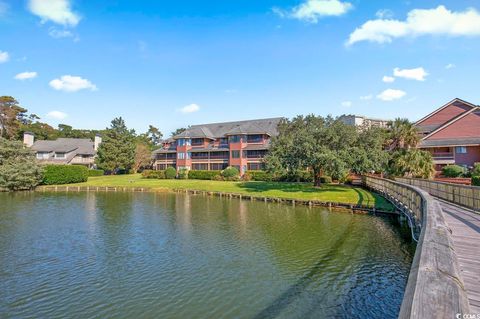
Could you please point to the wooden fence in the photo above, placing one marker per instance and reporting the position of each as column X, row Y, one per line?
column 467, row 196
column 435, row 287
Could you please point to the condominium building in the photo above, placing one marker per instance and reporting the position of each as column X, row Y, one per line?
column 362, row 121
column 216, row 146
column 75, row 151
column 452, row 134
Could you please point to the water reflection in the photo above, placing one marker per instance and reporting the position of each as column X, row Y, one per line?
column 124, row 255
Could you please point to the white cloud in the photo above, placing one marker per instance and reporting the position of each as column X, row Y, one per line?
column 347, row 103
column 388, row 79
column 418, row 74
column 450, row 66
column 391, row 94
column 57, row 34
column 69, row 83
column 26, row 76
column 384, row 14
column 57, row 115
column 57, row 11
column 191, row 108
column 366, row 97
column 312, row 10
column 438, row 21
column 4, row 56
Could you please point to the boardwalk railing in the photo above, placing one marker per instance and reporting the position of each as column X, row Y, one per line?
column 435, row 287
column 463, row 195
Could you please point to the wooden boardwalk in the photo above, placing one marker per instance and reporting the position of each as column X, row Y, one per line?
column 465, row 226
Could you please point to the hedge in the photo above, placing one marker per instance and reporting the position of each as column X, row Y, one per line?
column 170, row 173
column 230, row 172
column 183, row 173
column 205, row 175
column 476, row 180
column 64, row 174
column 325, row 180
column 261, row 176
column 96, row 172
column 153, row 174
column 453, row 171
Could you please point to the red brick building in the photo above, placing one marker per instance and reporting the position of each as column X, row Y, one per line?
column 452, row 134
column 216, row 146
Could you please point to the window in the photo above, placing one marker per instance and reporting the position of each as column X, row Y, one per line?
column 235, row 154
column 235, row 138
column 59, row 155
column 197, row 141
column 218, row 166
column 183, row 142
column 181, row 155
column 200, row 167
column 255, row 138
column 255, row 166
column 223, row 141
column 43, row 155
column 461, row 150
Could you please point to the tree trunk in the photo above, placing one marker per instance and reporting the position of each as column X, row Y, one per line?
column 317, row 173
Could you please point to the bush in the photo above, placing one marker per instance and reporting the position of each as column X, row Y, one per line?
column 299, row 176
column 230, row 173
column 96, row 172
column 218, row 178
column 246, row 177
column 453, row 171
column 170, row 173
column 183, row 174
column 476, row 180
column 261, row 176
column 325, row 180
column 64, row 174
column 148, row 173
column 205, row 175
column 476, row 170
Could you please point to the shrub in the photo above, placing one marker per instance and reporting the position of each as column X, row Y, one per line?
column 325, row 180
column 170, row 173
column 148, row 173
column 453, row 171
column 476, row 180
column 299, row 176
column 218, row 178
column 183, row 174
column 246, row 177
column 230, row 172
column 96, row 172
column 261, row 176
column 205, row 175
column 64, row 174
column 476, row 170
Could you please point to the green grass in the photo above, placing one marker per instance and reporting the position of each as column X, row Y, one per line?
column 299, row 191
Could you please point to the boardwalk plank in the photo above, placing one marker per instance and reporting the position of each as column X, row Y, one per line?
column 465, row 226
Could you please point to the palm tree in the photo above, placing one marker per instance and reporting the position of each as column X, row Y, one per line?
column 403, row 134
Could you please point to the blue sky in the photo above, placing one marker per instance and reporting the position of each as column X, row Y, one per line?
column 85, row 62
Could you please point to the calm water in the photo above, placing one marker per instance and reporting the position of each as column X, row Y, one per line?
column 123, row 255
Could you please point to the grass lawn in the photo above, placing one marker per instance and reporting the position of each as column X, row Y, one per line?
column 300, row 191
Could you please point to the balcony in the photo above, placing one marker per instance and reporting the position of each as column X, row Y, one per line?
column 443, row 157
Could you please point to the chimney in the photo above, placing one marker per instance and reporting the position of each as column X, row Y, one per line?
column 28, row 139
column 98, row 141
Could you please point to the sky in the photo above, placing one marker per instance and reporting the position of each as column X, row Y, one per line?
column 176, row 63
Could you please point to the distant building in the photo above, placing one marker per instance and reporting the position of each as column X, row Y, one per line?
column 362, row 121
column 79, row 151
column 452, row 134
column 216, row 146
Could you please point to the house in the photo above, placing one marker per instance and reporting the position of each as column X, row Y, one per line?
column 362, row 121
column 216, row 146
column 78, row 151
column 452, row 134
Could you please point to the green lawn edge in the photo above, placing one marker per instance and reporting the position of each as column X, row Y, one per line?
column 297, row 191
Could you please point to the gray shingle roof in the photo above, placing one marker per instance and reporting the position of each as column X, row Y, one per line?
column 82, row 146
column 450, row 142
column 218, row 130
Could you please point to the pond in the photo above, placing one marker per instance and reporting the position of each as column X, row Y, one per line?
column 147, row 255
